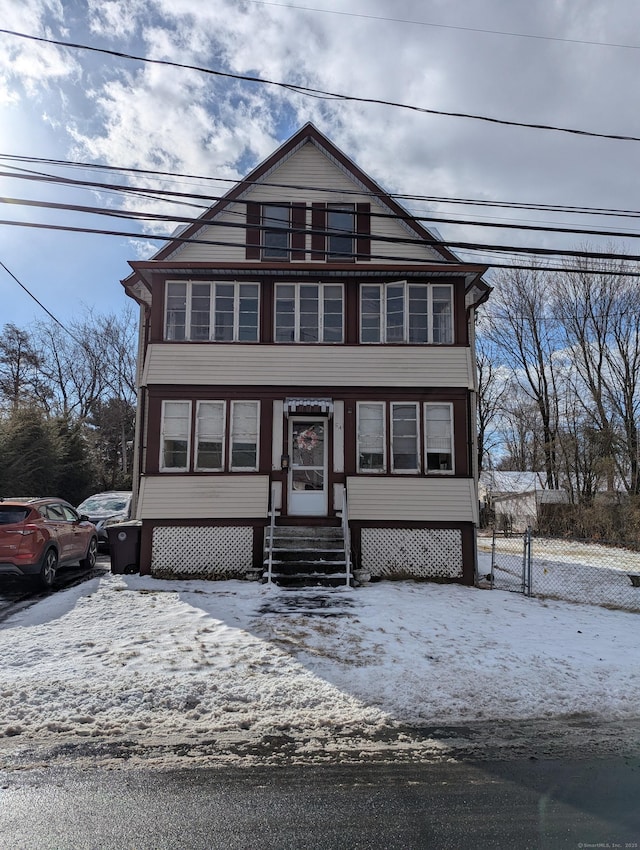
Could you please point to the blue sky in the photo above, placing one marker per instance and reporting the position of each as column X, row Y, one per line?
column 568, row 63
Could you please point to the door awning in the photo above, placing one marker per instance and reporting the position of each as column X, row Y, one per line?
column 308, row 405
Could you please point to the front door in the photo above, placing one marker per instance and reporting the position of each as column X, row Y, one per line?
column 308, row 468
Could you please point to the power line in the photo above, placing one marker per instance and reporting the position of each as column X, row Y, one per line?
column 413, row 22
column 165, row 217
column 39, row 303
column 311, row 92
column 436, row 199
column 471, row 246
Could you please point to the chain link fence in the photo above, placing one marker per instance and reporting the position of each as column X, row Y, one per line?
column 554, row 568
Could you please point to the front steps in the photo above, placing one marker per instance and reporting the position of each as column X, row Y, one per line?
column 306, row 556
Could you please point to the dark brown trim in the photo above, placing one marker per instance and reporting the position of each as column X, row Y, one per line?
column 363, row 230
column 318, row 223
column 252, row 251
column 299, row 226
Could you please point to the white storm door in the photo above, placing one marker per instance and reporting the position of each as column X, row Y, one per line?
column 308, row 467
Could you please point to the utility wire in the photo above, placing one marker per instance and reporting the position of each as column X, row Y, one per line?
column 311, row 92
column 169, row 238
column 39, row 303
column 413, row 22
column 138, row 215
column 435, row 199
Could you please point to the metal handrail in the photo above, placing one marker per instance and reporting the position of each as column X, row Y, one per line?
column 272, row 526
column 346, row 535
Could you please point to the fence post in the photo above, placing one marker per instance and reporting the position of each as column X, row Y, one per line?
column 493, row 556
column 526, row 563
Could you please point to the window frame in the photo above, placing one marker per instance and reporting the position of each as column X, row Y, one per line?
column 362, row 470
column 255, row 467
column 285, row 229
column 238, row 295
column 163, row 420
column 451, row 470
column 383, row 313
column 322, row 314
column 334, row 232
column 197, row 436
column 417, row 469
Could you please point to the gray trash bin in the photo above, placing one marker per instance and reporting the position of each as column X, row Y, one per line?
column 124, row 546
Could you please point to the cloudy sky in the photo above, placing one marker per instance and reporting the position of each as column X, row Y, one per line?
column 565, row 63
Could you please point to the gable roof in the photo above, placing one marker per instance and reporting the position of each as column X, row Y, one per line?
column 309, row 134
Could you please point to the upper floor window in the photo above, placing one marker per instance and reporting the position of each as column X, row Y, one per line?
column 405, row 456
column 340, row 231
column 406, row 313
column 277, row 231
column 310, row 312
column 219, row 311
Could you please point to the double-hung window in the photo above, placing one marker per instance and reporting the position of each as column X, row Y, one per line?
column 244, row 435
column 404, row 437
column 210, row 422
column 405, row 421
column 404, row 312
column 276, row 238
column 218, row 311
column 222, row 441
column 371, row 437
column 174, row 437
column 340, row 232
column 308, row 312
column 438, row 437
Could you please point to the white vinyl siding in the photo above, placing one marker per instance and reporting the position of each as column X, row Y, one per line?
column 244, row 435
column 313, row 365
column 438, row 435
column 412, row 499
column 371, row 437
column 174, row 436
column 210, row 422
column 305, row 167
column 219, row 311
column 402, row 312
column 207, row 497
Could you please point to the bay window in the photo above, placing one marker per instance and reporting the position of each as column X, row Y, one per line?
column 308, row 312
column 403, row 312
column 218, row 311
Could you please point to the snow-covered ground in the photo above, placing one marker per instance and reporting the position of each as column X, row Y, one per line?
column 125, row 668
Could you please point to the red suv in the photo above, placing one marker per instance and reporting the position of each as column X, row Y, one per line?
column 38, row 536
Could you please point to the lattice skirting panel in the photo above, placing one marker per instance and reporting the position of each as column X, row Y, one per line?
column 412, row 552
column 221, row 552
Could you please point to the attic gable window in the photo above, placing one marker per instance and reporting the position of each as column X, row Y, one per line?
column 340, row 231
column 276, row 231
column 276, row 221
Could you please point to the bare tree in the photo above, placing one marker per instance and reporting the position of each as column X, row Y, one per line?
column 523, row 333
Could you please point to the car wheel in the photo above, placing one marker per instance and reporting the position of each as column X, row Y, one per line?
column 48, row 569
column 89, row 562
